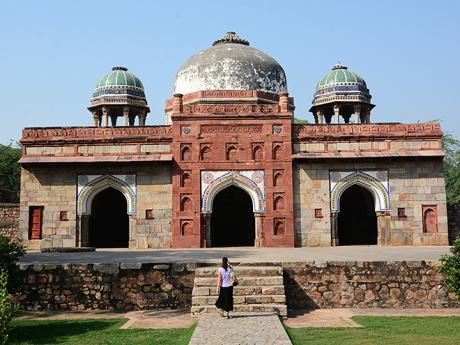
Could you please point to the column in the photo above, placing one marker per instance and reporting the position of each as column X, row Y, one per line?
column 319, row 117
column 357, row 113
column 126, row 115
column 105, row 117
column 132, row 118
column 95, row 119
column 336, row 114
column 258, row 229
column 368, row 115
column 142, row 117
column 113, row 119
column 334, row 229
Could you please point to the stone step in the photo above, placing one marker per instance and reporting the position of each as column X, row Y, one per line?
column 280, row 309
column 242, row 271
column 241, row 290
column 254, row 299
column 243, row 281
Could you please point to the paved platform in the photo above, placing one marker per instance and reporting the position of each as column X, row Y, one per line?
column 241, row 329
column 242, row 255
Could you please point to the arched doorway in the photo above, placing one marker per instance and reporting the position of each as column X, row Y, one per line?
column 357, row 221
column 232, row 219
column 109, row 222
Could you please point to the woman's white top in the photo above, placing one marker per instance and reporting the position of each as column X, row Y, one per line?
column 225, row 275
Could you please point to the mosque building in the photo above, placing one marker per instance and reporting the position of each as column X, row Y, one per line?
column 230, row 167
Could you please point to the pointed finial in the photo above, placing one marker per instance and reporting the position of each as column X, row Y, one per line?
column 231, row 37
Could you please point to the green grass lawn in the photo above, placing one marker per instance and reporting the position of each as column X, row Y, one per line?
column 383, row 331
column 91, row 332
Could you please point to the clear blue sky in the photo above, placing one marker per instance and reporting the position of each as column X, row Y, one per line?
column 53, row 52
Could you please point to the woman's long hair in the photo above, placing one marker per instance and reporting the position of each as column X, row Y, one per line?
column 224, row 263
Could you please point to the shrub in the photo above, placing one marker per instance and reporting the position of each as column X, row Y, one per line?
column 10, row 251
column 8, row 307
column 450, row 266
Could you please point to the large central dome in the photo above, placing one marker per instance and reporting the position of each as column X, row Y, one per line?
column 230, row 64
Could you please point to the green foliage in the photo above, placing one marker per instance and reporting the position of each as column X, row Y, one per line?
column 451, row 147
column 450, row 266
column 298, row 121
column 10, row 252
column 93, row 331
column 387, row 330
column 10, row 173
column 8, row 307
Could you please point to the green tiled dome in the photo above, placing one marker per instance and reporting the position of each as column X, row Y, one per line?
column 119, row 88
column 341, row 84
column 119, row 76
column 340, row 74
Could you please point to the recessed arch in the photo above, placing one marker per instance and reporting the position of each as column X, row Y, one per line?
column 91, row 189
column 238, row 180
column 374, row 186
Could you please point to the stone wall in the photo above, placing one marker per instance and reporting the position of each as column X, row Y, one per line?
column 55, row 188
column 9, row 220
column 412, row 182
column 107, row 286
column 453, row 214
column 416, row 284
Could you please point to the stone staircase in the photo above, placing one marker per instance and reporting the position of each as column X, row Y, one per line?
column 260, row 289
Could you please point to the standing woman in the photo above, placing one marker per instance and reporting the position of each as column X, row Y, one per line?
column 225, row 288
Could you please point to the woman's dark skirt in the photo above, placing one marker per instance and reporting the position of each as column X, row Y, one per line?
column 225, row 300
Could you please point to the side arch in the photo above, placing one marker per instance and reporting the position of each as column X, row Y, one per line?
column 92, row 188
column 233, row 179
column 375, row 187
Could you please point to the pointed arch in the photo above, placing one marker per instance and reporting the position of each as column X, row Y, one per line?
column 233, row 179
column 375, row 187
column 92, row 188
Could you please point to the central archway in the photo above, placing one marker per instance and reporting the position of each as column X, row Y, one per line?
column 232, row 219
column 357, row 221
column 109, row 222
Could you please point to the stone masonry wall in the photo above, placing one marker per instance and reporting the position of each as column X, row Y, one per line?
column 413, row 183
column 139, row 286
column 55, row 188
column 9, row 221
column 107, row 286
column 416, row 284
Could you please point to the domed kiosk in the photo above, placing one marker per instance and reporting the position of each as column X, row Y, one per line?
column 230, row 70
column 341, row 92
column 119, row 93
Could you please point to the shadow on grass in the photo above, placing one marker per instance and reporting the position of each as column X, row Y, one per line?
column 57, row 332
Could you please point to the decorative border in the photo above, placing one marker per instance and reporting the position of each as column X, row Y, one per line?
column 90, row 185
column 376, row 181
column 251, row 181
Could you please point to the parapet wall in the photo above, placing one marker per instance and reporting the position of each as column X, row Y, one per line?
column 139, row 286
column 130, row 286
column 391, row 284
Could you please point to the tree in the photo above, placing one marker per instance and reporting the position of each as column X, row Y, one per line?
column 8, row 307
column 450, row 267
column 298, row 121
column 451, row 146
column 10, row 173
column 10, row 252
